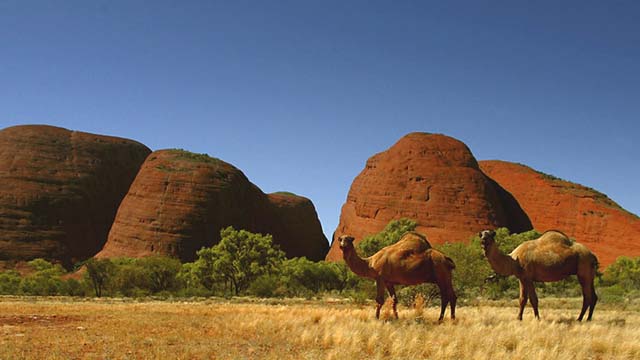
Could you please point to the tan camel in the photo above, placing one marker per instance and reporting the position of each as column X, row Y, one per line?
column 551, row 257
column 410, row 261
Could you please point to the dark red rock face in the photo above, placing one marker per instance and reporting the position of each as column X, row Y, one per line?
column 434, row 180
column 60, row 191
column 297, row 225
column 180, row 201
column 582, row 213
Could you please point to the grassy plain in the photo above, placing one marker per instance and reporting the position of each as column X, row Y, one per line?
column 65, row 328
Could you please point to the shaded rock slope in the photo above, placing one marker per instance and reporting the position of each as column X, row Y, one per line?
column 180, row 201
column 582, row 213
column 434, row 180
column 60, row 190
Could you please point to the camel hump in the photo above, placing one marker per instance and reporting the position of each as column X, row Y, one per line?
column 414, row 240
column 555, row 231
column 556, row 236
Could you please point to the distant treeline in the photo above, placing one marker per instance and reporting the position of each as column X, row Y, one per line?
column 248, row 264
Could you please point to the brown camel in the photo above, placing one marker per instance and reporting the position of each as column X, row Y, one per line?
column 410, row 261
column 551, row 257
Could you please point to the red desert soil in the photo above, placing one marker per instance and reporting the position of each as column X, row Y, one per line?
column 180, row 201
column 582, row 213
column 60, row 191
column 434, row 180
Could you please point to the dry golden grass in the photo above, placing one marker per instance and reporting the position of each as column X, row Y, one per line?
column 215, row 329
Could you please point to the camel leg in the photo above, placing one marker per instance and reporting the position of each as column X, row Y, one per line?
column 589, row 297
column 379, row 296
column 392, row 293
column 444, row 300
column 533, row 298
column 523, row 298
column 594, row 300
column 452, row 300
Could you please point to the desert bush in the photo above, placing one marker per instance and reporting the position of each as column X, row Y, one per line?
column 313, row 277
column 73, row 287
column 10, row 282
column 270, row 285
column 625, row 272
column 45, row 280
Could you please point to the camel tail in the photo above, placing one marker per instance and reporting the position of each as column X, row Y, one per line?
column 595, row 263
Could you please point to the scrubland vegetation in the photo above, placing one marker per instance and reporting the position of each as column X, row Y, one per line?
column 247, row 264
column 242, row 299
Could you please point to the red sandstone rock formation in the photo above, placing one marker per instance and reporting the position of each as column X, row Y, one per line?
column 60, row 191
column 434, row 180
column 296, row 226
column 180, row 201
column 582, row 213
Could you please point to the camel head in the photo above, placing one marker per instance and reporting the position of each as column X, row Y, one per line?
column 487, row 238
column 345, row 242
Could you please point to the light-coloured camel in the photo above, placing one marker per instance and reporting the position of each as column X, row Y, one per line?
column 551, row 257
column 410, row 261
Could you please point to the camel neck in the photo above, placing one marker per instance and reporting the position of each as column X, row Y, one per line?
column 500, row 263
column 357, row 264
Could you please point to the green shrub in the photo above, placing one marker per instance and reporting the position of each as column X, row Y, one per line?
column 10, row 282
column 625, row 272
column 612, row 294
column 73, row 287
column 267, row 286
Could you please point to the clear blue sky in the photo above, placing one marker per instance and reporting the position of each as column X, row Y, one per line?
column 298, row 94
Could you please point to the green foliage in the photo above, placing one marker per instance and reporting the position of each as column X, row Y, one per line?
column 10, row 282
column 45, row 280
column 286, row 193
column 189, row 280
column 247, row 263
column 144, row 276
column 237, row 260
column 99, row 273
column 74, row 287
column 268, row 285
column 390, row 235
column 621, row 280
column 314, row 276
column 190, row 156
column 625, row 272
column 472, row 268
column 306, row 278
column 160, row 272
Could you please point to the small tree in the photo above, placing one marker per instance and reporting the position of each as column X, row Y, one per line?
column 238, row 259
column 99, row 272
